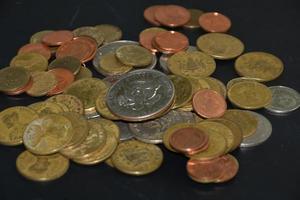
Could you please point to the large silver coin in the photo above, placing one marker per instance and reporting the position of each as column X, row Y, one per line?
column 125, row 132
column 140, row 95
column 112, row 47
column 152, row 131
column 284, row 100
column 164, row 59
column 262, row 133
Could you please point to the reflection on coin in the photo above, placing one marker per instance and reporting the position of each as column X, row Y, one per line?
column 125, row 132
column 284, row 100
column 140, row 95
column 31, row 61
column 262, row 133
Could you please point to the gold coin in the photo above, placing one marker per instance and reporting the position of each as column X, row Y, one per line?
column 191, row 64
column 68, row 62
column 188, row 107
column 216, row 85
column 45, row 108
column 109, row 127
column 134, row 55
column 102, row 108
column 84, row 72
column 37, row 37
column 109, row 162
column 13, row 78
column 13, row 122
column 71, row 102
column 243, row 119
column 48, row 134
column 199, row 84
column 250, row 95
column 137, row 158
column 112, row 66
column 109, row 32
column 237, row 80
column 31, row 61
column 95, row 139
column 220, row 45
column 87, row 90
column 42, row 83
column 194, row 21
column 90, row 32
column 183, row 90
column 63, row 107
column 260, row 65
column 41, row 168
column 210, row 126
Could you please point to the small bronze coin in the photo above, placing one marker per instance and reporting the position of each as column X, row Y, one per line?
column 170, row 42
column 36, row 48
column 194, row 21
column 172, row 15
column 230, row 168
column 13, row 78
column 63, row 77
column 149, row 15
column 42, row 83
column 209, row 104
column 69, row 62
column 56, row 38
column 31, row 61
column 188, row 140
column 214, row 22
column 147, row 35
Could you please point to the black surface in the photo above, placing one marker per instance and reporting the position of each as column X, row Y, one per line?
column 268, row 171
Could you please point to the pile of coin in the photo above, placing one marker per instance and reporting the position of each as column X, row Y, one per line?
column 119, row 119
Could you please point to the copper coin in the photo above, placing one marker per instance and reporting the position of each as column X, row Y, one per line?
column 203, row 148
column 209, row 103
column 36, row 48
column 170, row 42
column 214, row 22
column 146, row 37
column 64, row 78
column 230, row 168
column 56, row 38
column 22, row 89
column 83, row 48
column 172, row 15
column 205, row 171
column 187, row 140
column 149, row 14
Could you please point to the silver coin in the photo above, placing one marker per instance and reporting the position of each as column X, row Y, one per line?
column 112, row 47
column 164, row 59
column 140, row 95
column 125, row 132
column 92, row 115
column 284, row 100
column 152, row 131
column 262, row 133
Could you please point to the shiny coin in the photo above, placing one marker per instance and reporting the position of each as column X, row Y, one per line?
column 72, row 102
column 183, row 90
column 172, row 15
column 109, row 127
column 170, row 42
column 147, row 35
column 260, row 65
column 90, row 32
column 37, row 37
column 246, row 121
column 13, row 122
column 102, row 108
column 220, row 46
column 230, row 168
column 84, row 72
column 48, row 134
column 63, row 77
column 125, row 132
column 109, row 32
column 191, row 64
column 284, row 100
column 31, row 61
column 111, row 65
column 209, row 104
column 140, row 95
column 42, row 168
column 70, row 63
column 194, row 22
column 149, row 15
column 237, row 80
column 42, row 83
column 214, row 22
column 250, row 95
column 56, row 38
column 36, row 48
column 13, row 78
column 45, row 108
column 137, row 158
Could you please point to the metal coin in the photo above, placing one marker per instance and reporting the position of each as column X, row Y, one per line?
column 147, row 35
column 36, row 48
column 194, row 22
column 237, row 80
column 13, row 78
column 42, row 83
column 91, row 32
column 70, row 63
column 72, row 102
column 111, row 65
column 84, row 72
column 125, row 132
column 172, row 15
column 64, row 78
column 45, row 108
column 214, row 22
column 56, row 38
column 183, row 90
column 102, row 108
column 31, row 61
column 37, row 37
column 109, row 32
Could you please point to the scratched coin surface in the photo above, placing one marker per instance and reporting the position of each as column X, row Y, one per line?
column 30, row 61
column 140, row 95
column 42, row 168
column 284, row 100
column 48, row 134
column 262, row 133
column 137, row 158
column 152, row 131
column 13, row 122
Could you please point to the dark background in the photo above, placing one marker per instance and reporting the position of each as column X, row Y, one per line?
column 268, row 171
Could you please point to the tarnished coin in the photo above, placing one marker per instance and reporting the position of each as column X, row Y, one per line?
column 48, row 134
column 102, row 108
column 70, row 63
column 140, row 95
column 110, row 65
column 84, row 72
column 36, row 48
column 220, row 46
column 45, row 108
column 183, row 90
column 152, row 131
column 125, row 132
column 172, row 15
column 237, row 80
column 91, row 32
column 13, row 78
column 147, row 35
column 137, row 158
column 31, row 61
column 260, row 65
column 214, row 22
column 250, row 95
column 194, row 22
column 13, row 122
column 73, row 103
column 284, row 100
column 42, row 83
column 191, row 64
column 246, row 121
column 37, row 37
column 109, row 32
column 262, row 133
column 41, row 168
